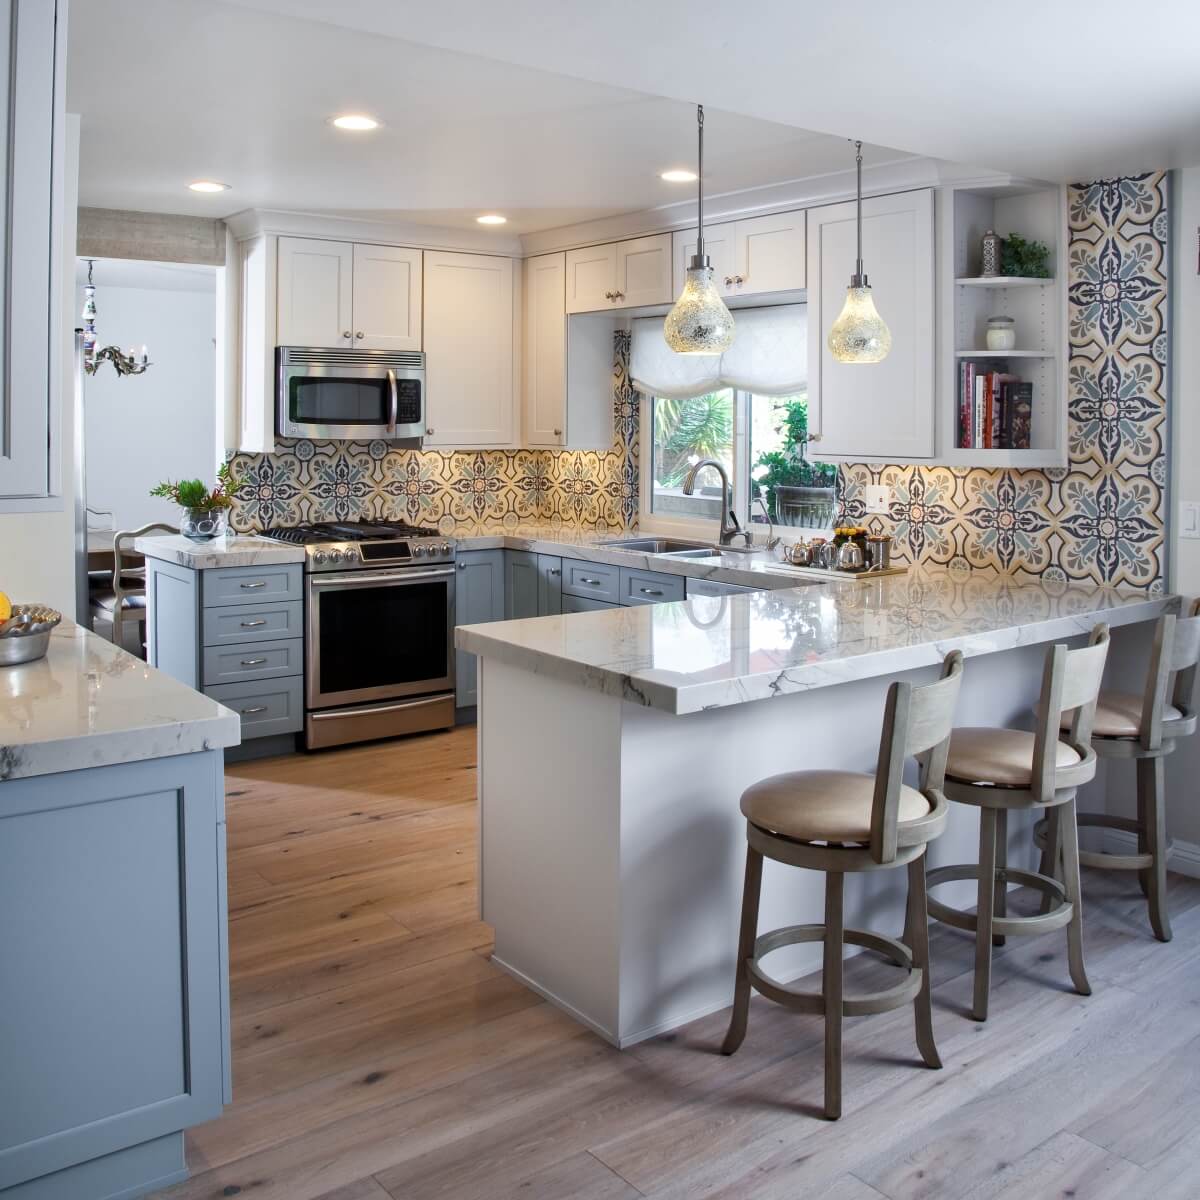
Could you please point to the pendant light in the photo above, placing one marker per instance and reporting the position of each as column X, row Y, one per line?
column 859, row 335
column 699, row 323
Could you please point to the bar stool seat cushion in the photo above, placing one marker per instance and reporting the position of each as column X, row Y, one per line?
column 1000, row 756
column 106, row 598
column 1119, row 715
column 822, row 806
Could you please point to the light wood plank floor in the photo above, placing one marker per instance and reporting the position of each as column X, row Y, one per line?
column 378, row 1054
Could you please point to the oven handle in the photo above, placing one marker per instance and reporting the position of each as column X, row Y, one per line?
column 342, row 580
column 393, row 401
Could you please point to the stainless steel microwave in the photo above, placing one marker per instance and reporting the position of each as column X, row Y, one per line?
column 349, row 394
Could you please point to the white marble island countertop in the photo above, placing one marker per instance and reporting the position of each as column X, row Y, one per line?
column 90, row 704
column 712, row 652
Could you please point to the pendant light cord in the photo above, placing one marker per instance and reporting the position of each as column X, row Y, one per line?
column 858, row 262
column 700, row 181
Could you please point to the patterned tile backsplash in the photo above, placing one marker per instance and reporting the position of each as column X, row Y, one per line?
column 321, row 481
column 1099, row 519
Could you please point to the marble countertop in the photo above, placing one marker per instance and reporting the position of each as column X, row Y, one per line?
column 757, row 570
column 712, row 652
column 90, row 704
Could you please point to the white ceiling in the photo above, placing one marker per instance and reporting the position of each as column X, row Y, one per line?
column 1043, row 88
column 174, row 90
column 157, row 276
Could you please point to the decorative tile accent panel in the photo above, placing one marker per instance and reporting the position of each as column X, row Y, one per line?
column 321, row 481
column 1101, row 518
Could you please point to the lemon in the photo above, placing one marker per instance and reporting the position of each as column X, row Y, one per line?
column 5, row 607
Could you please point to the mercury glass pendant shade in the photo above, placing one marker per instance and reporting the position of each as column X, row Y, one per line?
column 699, row 323
column 859, row 335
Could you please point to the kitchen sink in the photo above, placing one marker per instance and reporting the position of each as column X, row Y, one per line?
column 648, row 545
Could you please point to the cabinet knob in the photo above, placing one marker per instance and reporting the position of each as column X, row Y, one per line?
column 736, row 279
column 618, row 295
column 428, row 431
column 609, row 295
column 462, row 566
column 558, row 433
column 345, row 333
column 814, row 437
column 555, row 571
column 360, row 333
column 729, row 281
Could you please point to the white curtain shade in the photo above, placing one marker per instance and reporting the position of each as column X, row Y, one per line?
column 769, row 356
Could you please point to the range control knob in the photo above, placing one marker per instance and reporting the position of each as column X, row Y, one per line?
column 335, row 556
column 320, row 557
column 419, row 551
column 445, row 547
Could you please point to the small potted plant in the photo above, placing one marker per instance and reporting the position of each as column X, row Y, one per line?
column 203, row 514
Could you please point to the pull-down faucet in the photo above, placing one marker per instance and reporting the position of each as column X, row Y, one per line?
column 730, row 526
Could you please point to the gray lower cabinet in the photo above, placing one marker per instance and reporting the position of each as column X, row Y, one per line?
column 549, row 585
column 606, row 586
column 594, row 581
column 234, row 633
column 114, row 983
column 578, row 604
column 522, row 584
column 649, row 587
column 479, row 596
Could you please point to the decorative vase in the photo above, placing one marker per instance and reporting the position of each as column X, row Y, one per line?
column 203, row 524
column 993, row 246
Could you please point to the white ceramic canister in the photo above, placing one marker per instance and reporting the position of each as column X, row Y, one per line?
column 1001, row 333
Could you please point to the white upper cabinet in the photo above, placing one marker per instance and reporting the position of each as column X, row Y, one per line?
column 644, row 271
column 619, row 275
column 32, row 37
column 881, row 412
column 470, row 359
column 339, row 294
column 387, row 298
column 770, row 254
column 751, row 257
column 545, row 367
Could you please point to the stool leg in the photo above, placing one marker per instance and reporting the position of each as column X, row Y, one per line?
column 1000, row 899
column 1143, row 837
column 1150, row 785
column 1051, row 854
column 983, row 911
column 1070, row 845
column 917, row 937
column 749, row 931
column 831, row 986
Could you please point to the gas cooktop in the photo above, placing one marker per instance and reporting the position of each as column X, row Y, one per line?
column 352, row 545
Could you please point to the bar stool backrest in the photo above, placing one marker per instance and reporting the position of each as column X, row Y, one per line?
column 1070, row 684
column 1184, row 659
column 916, row 724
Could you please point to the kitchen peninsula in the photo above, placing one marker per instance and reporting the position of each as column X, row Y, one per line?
column 614, row 745
column 114, row 982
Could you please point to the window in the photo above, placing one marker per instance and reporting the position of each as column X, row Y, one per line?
column 759, row 440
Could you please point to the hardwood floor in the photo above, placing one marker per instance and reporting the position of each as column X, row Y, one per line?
column 378, row 1055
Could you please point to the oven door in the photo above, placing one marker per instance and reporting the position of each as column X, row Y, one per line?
column 350, row 396
column 378, row 635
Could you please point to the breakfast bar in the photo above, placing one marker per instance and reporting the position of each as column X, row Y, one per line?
column 614, row 746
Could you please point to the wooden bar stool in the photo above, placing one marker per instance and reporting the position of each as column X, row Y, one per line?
column 1145, row 728
column 999, row 770
column 840, row 821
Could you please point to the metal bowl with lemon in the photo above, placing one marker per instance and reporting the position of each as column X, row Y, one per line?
column 24, row 631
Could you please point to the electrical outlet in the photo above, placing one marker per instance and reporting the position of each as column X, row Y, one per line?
column 877, row 497
column 1189, row 519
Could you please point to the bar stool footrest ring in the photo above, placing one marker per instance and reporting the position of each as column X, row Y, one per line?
column 1056, row 918
column 858, row 1005
column 1093, row 858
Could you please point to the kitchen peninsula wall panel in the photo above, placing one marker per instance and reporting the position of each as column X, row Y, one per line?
column 326, row 480
column 1102, row 519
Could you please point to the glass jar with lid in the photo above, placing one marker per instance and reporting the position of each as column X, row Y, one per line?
column 1001, row 333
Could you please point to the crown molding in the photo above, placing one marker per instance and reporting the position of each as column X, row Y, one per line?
column 254, row 222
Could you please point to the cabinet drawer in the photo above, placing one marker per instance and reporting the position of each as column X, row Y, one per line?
column 591, row 579
column 253, row 623
column 649, row 587
column 259, row 660
column 265, row 708
column 575, row 604
column 253, row 585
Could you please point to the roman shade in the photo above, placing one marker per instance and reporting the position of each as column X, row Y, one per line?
column 769, row 357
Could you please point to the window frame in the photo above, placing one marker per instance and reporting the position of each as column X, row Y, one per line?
column 701, row 528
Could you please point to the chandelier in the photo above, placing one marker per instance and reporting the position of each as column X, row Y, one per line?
column 125, row 362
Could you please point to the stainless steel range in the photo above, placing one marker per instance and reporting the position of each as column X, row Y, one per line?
column 379, row 629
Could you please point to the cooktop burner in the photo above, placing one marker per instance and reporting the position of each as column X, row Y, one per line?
column 345, row 531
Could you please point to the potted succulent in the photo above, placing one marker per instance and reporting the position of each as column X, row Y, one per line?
column 203, row 513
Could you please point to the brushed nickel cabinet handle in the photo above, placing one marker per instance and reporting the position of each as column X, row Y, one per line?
column 650, row 591
column 253, row 624
column 593, row 582
column 254, row 708
column 256, row 584
column 253, row 662
column 555, row 571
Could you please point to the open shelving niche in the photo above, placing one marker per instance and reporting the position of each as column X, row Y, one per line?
column 1037, row 306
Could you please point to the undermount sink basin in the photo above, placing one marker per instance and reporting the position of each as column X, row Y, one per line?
column 649, row 545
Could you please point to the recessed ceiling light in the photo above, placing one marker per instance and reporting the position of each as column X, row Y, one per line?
column 359, row 122
column 491, row 219
column 679, row 176
column 208, row 185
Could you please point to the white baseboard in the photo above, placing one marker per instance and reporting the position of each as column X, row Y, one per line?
column 1184, row 858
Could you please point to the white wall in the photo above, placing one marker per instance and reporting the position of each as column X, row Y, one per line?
column 141, row 429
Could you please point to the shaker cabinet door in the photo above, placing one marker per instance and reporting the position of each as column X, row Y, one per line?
column 545, row 363
column 880, row 412
column 387, row 298
column 316, row 293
